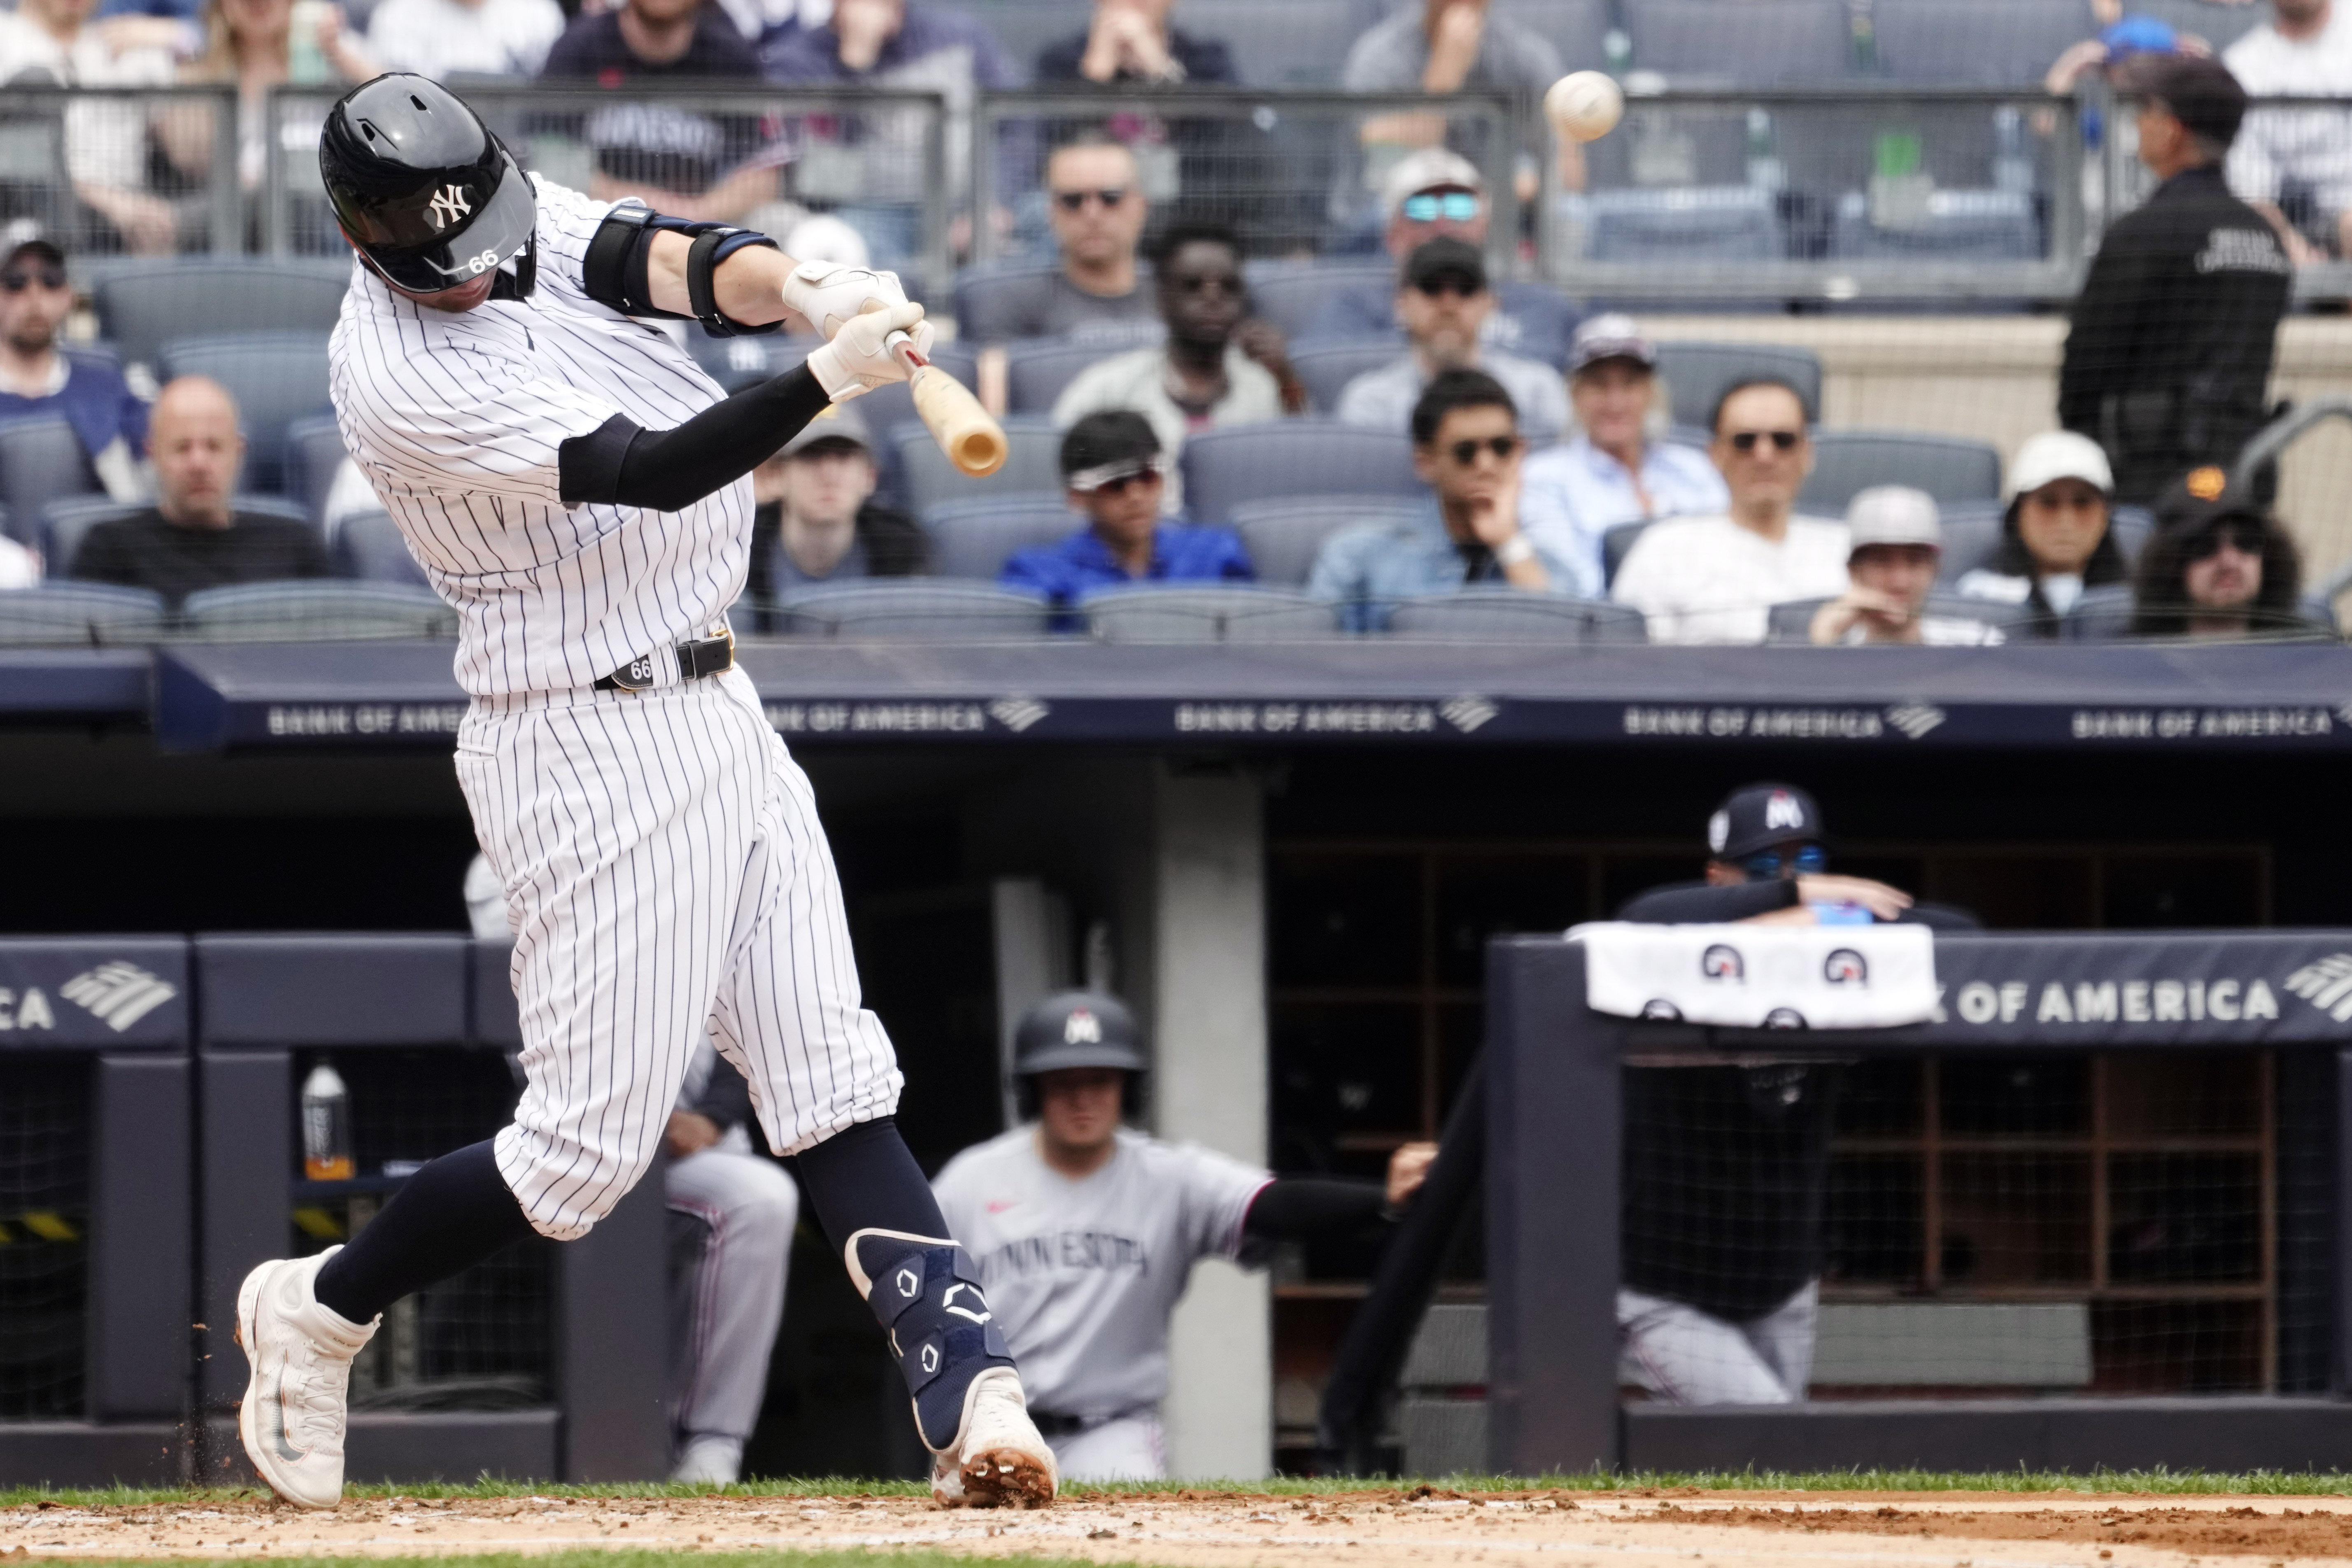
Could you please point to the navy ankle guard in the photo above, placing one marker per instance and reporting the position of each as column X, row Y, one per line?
column 925, row 1291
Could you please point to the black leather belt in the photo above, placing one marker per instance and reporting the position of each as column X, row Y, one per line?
column 711, row 655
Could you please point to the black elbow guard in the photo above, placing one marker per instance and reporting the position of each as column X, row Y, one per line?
column 615, row 268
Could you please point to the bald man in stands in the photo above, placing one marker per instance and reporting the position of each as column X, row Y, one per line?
column 192, row 538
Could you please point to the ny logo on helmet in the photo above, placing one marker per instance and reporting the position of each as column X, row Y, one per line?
column 1082, row 1029
column 448, row 205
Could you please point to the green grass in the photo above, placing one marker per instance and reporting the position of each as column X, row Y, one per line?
column 2156, row 1483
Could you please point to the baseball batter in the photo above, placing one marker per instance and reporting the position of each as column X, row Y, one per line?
column 577, row 488
column 1086, row 1232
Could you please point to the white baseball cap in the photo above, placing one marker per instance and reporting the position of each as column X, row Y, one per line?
column 1892, row 514
column 2059, row 455
column 1611, row 335
column 1431, row 169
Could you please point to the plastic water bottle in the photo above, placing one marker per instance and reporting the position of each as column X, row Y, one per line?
column 326, row 1127
column 1841, row 914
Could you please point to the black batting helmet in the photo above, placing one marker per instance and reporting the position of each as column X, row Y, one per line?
column 430, row 196
column 1077, row 1029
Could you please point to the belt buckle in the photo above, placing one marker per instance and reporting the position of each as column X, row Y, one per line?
column 637, row 675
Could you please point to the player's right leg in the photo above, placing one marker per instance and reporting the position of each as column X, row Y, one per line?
column 1689, row 1357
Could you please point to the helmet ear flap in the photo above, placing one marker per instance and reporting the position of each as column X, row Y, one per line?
column 525, row 276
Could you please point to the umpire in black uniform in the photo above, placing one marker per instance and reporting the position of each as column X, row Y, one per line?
column 2169, row 359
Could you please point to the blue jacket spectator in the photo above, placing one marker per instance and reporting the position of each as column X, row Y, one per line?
column 1467, row 444
column 37, row 378
column 1612, row 471
column 1111, row 471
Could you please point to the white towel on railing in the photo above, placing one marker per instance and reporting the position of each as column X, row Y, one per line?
column 1761, row 976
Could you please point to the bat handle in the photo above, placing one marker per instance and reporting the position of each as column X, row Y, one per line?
column 901, row 345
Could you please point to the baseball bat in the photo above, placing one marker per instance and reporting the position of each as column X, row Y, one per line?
column 974, row 441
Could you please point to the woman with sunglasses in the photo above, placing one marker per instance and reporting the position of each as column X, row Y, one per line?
column 2055, row 538
column 2220, row 566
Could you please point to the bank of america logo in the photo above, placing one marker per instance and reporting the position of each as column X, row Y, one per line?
column 1017, row 713
column 120, row 993
column 1915, row 719
column 1467, row 713
column 2326, row 984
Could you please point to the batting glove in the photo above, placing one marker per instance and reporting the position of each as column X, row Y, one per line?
column 859, row 359
column 829, row 293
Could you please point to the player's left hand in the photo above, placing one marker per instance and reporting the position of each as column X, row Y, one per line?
column 1408, row 1168
column 830, row 293
column 688, row 1132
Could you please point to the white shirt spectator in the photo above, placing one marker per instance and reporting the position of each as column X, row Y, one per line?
column 1384, row 397
column 20, row 567
column 1138, row 380
column 1708, row 579
column 1573, row 494
column 2310, row 147
column 106, row 139
column 445, row 37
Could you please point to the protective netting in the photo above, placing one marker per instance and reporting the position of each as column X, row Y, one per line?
column 45, row 1141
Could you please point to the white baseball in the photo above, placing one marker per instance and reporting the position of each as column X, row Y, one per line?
column 1584, row 106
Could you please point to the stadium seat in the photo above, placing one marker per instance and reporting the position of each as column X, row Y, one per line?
column 1971, row 537
column 1156, row 613
column 1980, row 43
column 1756, row 42
column 919, row 608
column 1032, row 462
column 41, row 460
column 1223, row 469
column 67, row 521
column 1616, row 543
column 369, row 547
column 276, row 378
column 1697, row 374
column 1579, row 29
column 1792, row 622
column 57, row 613
column 1291, row 43
column 1328, row 365
column 142, row 308
column 1023, row 27
column 316, row 610
column 1692, row 223
column 1960, row 226
column 972, row 538
column 1292, row 294
column 1489, row 613
column 314, row 454
column 979, row 293
column 1848, row 461
column 2101, row 614
column 1285, row 536
column 1037, row 369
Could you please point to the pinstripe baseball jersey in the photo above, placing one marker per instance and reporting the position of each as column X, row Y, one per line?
column 456, row 419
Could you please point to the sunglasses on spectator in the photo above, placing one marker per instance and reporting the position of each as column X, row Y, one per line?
column 1229, row 284
column 1454, row 206
column 1465, row 287
column 18, row 279
column 1784, row 440
column 2245, row 540
column 1810, row 860
column 1075, row 201
column 1466, row 452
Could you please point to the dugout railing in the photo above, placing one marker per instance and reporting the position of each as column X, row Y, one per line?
column 2255, row 1020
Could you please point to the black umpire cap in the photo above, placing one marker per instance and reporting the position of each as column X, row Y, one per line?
column 1077, row 1029
column 1756, row 817
column 430, row 196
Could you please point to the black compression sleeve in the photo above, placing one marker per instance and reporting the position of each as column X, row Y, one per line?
column 620, row 463
column 1294, row 1208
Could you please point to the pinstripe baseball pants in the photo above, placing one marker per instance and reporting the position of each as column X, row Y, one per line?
column 664, row 871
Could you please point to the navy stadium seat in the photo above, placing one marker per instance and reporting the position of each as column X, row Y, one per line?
column 1223, row 469
column 979, row 293
column 1186, row 612
column 1755, row 43
column 1292, row 294
column 1971, row 537
column 276, row 378
column 972, row 538
column 67, row 521
column 1032, row 462
column 1697, row 374
column 1686, row 222
column 314, row 454
column 316, row 610
column 56, row 612
column 1285, row 536
column 41, row 460
column 369, row 547
column 1616, row 543
column 1959, row 226
column 913, row 607
column 1496, row 613
column 144, row 307
column 1847, row 461
column 1328, row 365
column 1037, row 369
column 1981, row 43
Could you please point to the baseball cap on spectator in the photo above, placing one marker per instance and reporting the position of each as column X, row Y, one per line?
column 1892, row 514
column 2132, row 35
column 34, row 250
column 2201, row 498
column 1435, row 263
column 1611, row 335
column 2059, row 455
column 2200, row 93
column 1104, row 448
column 1757, row 816
column 838, row 425
column 1431, row 169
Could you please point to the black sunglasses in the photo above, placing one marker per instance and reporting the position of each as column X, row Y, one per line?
column 1451, row 283
column 18, row 279
column 1229, row 284
column 1466, row 452
column 1075, row 201
column 1785, row 440
column 2243, row 539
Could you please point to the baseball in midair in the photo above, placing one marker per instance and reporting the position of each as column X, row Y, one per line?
column 1584, row 106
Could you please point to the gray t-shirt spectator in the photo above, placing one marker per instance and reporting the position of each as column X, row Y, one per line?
column 1390, row 56
column 1049, row 305
column 1384, row 397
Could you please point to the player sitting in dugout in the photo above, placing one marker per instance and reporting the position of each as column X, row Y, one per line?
column 1085, row 1231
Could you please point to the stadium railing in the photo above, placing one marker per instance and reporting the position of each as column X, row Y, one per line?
column 111, row 172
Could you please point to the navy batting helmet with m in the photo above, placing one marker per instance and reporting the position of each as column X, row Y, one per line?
column 1077, row 1029
column 431, row 197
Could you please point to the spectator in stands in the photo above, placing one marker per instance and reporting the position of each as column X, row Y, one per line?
column 2220, row 566
column 2297, row 156
column 2168, row 361
column 1447, row 46
column 106, row 142
column 1113, row 470
column 1433, row 194
column 1443, row 299
column 440, row 38
column 251, row 43
column 1217, row 367
column 2055, row 539
column 1714, row 579
column 37, row 378
column 1131, row 43
column 191, row 538
column 1466, row 447
column 817, row 521
column 2119, row 43
column 1895, row 543
column 1095, row 293
column 713, row 167
column 1612, row 471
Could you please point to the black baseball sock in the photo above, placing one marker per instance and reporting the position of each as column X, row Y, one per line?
column 863, row 1178
column 454, row 1212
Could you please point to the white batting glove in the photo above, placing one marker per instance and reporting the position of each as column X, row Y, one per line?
column 858, row 359
column 829, row 293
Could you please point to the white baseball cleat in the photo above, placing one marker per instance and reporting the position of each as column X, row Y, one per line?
column 295, row 1403
column 999, row 1460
